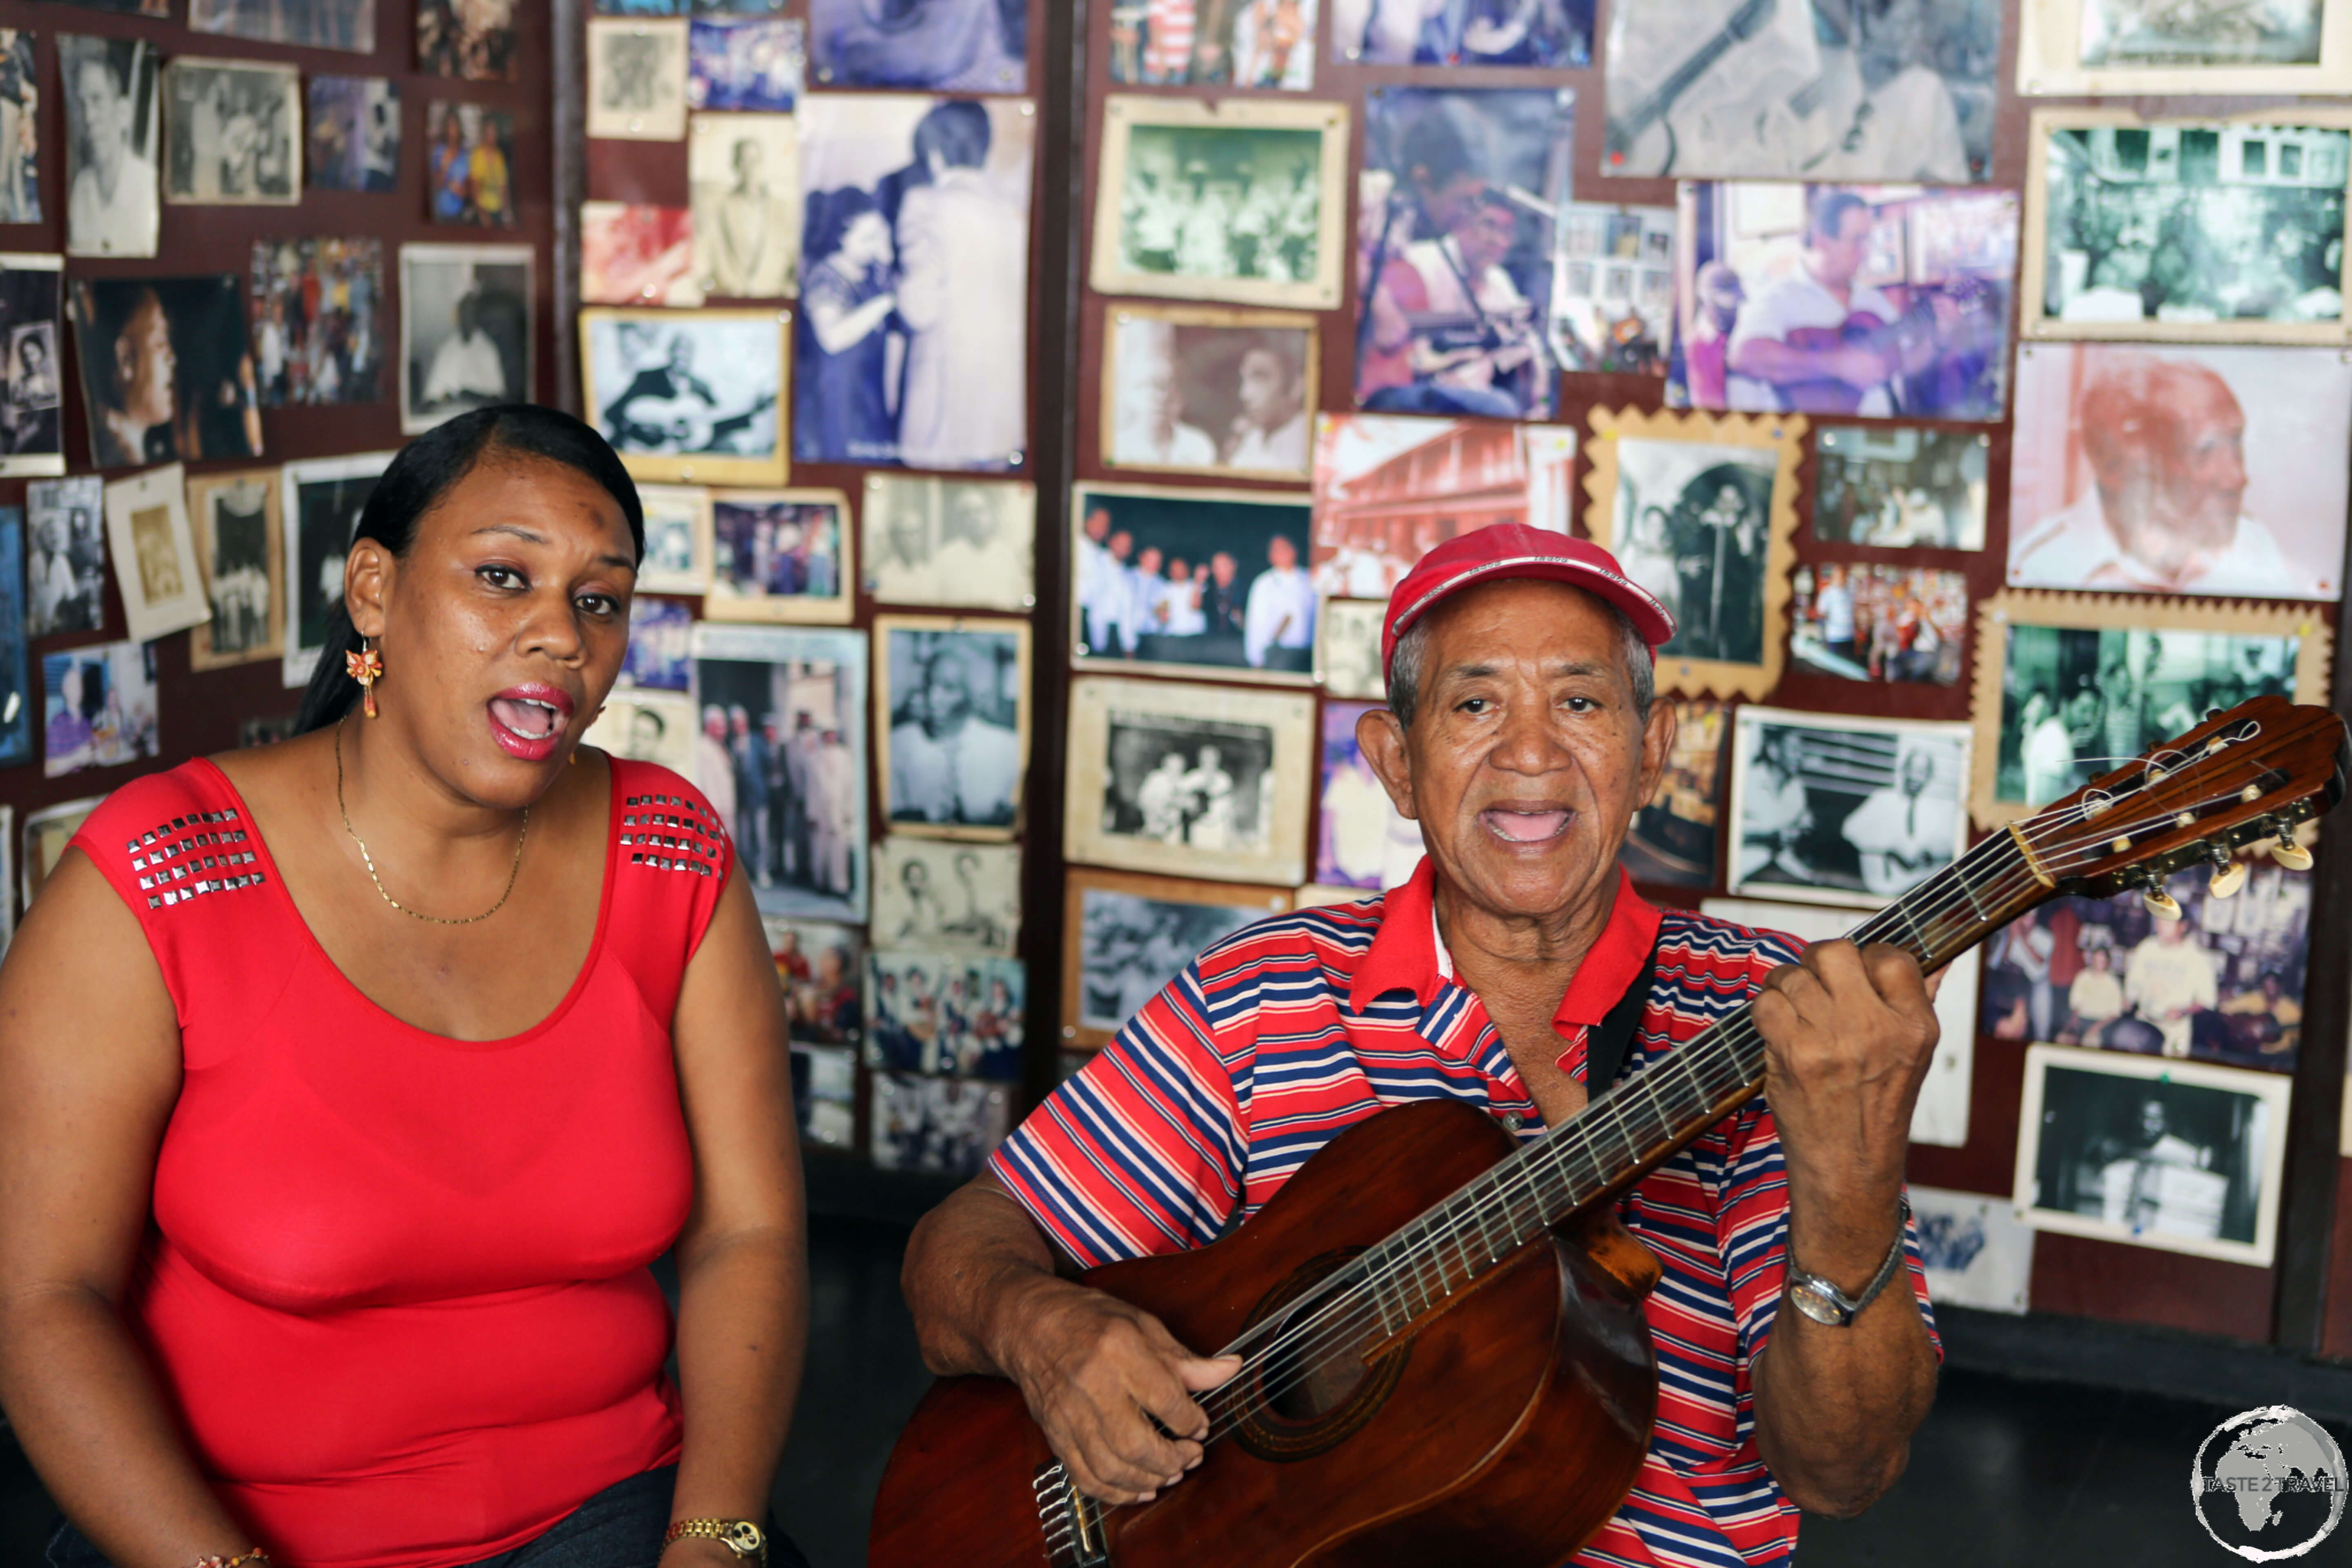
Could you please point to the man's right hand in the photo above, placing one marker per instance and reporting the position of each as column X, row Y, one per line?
column 1098, row 1374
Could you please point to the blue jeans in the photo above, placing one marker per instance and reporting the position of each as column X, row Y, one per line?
column 620, row 1527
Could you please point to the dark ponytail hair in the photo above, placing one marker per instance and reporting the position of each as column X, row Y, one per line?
column 420, row 475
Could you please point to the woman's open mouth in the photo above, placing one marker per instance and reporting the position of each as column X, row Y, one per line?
column 529, row 721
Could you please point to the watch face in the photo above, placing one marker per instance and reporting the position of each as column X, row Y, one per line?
column 1817, row 1304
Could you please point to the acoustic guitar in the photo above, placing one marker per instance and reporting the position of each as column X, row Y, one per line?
column 1443, row 1355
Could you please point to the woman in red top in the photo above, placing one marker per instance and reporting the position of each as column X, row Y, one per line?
column 348, row 1086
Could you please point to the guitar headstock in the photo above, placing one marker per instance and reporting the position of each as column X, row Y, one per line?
column 2251, row 775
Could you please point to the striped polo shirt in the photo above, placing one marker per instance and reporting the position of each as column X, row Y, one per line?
column 1292, row 1029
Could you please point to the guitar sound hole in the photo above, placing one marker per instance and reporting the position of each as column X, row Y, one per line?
column 1313, row 1376
column 1313, row 1388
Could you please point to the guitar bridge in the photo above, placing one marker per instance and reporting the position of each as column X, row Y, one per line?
column 1071, row 1520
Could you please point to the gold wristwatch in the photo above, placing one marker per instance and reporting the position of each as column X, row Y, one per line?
column 740, row 1536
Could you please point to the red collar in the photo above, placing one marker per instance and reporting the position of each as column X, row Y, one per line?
column 1404, row 955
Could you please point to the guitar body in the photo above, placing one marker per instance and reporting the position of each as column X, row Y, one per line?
column 1503, row 1431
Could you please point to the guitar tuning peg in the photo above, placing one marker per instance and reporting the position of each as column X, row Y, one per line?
column 2290, row 854
column 2227, row 880
column 2160, row 902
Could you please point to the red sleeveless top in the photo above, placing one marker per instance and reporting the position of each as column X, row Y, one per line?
column 397, row 1286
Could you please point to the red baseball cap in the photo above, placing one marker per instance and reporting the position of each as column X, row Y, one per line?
column 1504, row 550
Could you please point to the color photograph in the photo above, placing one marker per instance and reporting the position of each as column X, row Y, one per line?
column 689, row 395
column 965, row 543
column 677, row 540
column 1676, row 832
column 780, row 555
column 1612, row 293
column 1554, row 33
column 743, row 178
column 1895, row 486
column 1179, row 43
column 1388, row 488
column 1878, row 623
column 98, row 707
column 317, row 332
column 154, row 554
column 465, row 330
column 232, row 133
column 1201, row 390
column 355, row 134
column 661, row 651
column 1832, row 810
column 1363, row 840
column 633, row 255
column 65, row 562
column 752, row 64
column 637, row 80
column 1133, row 935
column 952, row 716
column 113, row 123
column 939, row 46
column 823, row 970
column 240, row 554
column 308, row 24
column 1191, row 580
column 469, row 169
column 473, row 40
column 947, row 897
column 166, row 369
column 954, row 1014
column 32, row 378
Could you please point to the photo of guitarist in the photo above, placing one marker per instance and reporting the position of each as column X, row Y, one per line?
column 1817, row 341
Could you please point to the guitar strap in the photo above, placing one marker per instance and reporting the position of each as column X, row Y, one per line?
column 1608, row 1047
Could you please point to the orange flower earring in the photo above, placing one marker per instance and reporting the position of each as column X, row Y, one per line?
column 366, row 666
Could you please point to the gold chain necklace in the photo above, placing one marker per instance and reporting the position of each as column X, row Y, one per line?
column 369, row 860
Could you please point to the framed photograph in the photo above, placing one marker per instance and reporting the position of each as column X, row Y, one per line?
column 2224, row 231
column 469, row 164
column 779, row 555
column 47, row 833
column 2105, row 493
column 637, row 79
column 113, row 205
column 166, row 369
column 823, row 969
column 20, row 138
column 1460, row 188
column 954, row 1013
column 65, row 563
column 824, row 1094
column 1191, row 389
column 1879, row 622
column 2223, row 983
column 1976, row 1251
column 743, row 178
column 1348, row 648
column 241, row 556
column 647, row 726
column 954, row 262
column 15, row 669
column 1261, row 44
column 1894, row 487
column 677, row 540
column 232, row 133
column 1390, row 488
column 1720, row 90
column 1362, row 840
column 309, row 24
column 2077, row 48
column 934, row 897
column 317, row 335
column 1834, row 809
column 951, row 715
column 1186, row 580
column 690, row 397
column 661, row 653
column 465, row 331
column 320, row 499
column 2067, row 681
column 2169, row 1154
column 1674, row 835
column 781, row 754
column 98, row 707
column 966, row 543
column 1927, row 275
column 1235, row 199
column 960, row 45
column 1134, row 934
column 1699, row 510
column 946, row 1126
column 1613, row 291
column 1169, row 778
column 1556, row 35
column 355, row 134
column 473, row 40
column 155, row 555
column 750, row 63
column 633, row 255
column 32, row 376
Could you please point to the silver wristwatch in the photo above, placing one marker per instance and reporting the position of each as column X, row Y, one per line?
column 1832, row 1308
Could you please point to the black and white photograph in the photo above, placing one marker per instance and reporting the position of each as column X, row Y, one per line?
column 2174, row 1156
column 637, row 80
column 16, row 678
column 947, row 1013
column 1556, row 35
column 2221, row 982
column 781, row 754
column 2200, row 32
column 1456, row 238
column 962, row 544
column 1189, row 779
column 355, row 134
column 822, row 968
column 1196, row 389
column 647, row 726
column 1239, row 199
column 1837, row 89
column 2076, row 47
column 691, row 397
column 473, row 40
column 1191, row 580
column 1677, row 832
column 661, row 647
column 1882, row 301
column 309, row 24
column 232, row 133
column 65, row 555
column 1135, row 934
column 914, row 315
column 1892, row 487
column 1348, row 648
column 780, row 555
column 20, row 131
column 154, row 554
column 465, row 331
column 319, row 504
column 947, row 897
column 2218, row 231
column 1613, row 292
column 751, row 64
column 1878, row 623
column 113, row 203
column 98, row 707
column 932, row 46
column 469, row 174
column 241, row 556
column 743, row 179
column 952, row 723
column 318, row 321
column 1390, row 488
column 166, row 369
column 1975, row 1250
column 677, row 540
column 1833, row 809
column 32, row 376
column 1361, row 840
column 824, row 1095
column 1178, row 43
column 946, row 1126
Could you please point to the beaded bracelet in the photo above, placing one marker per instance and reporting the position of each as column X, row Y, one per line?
column 250, row 1554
